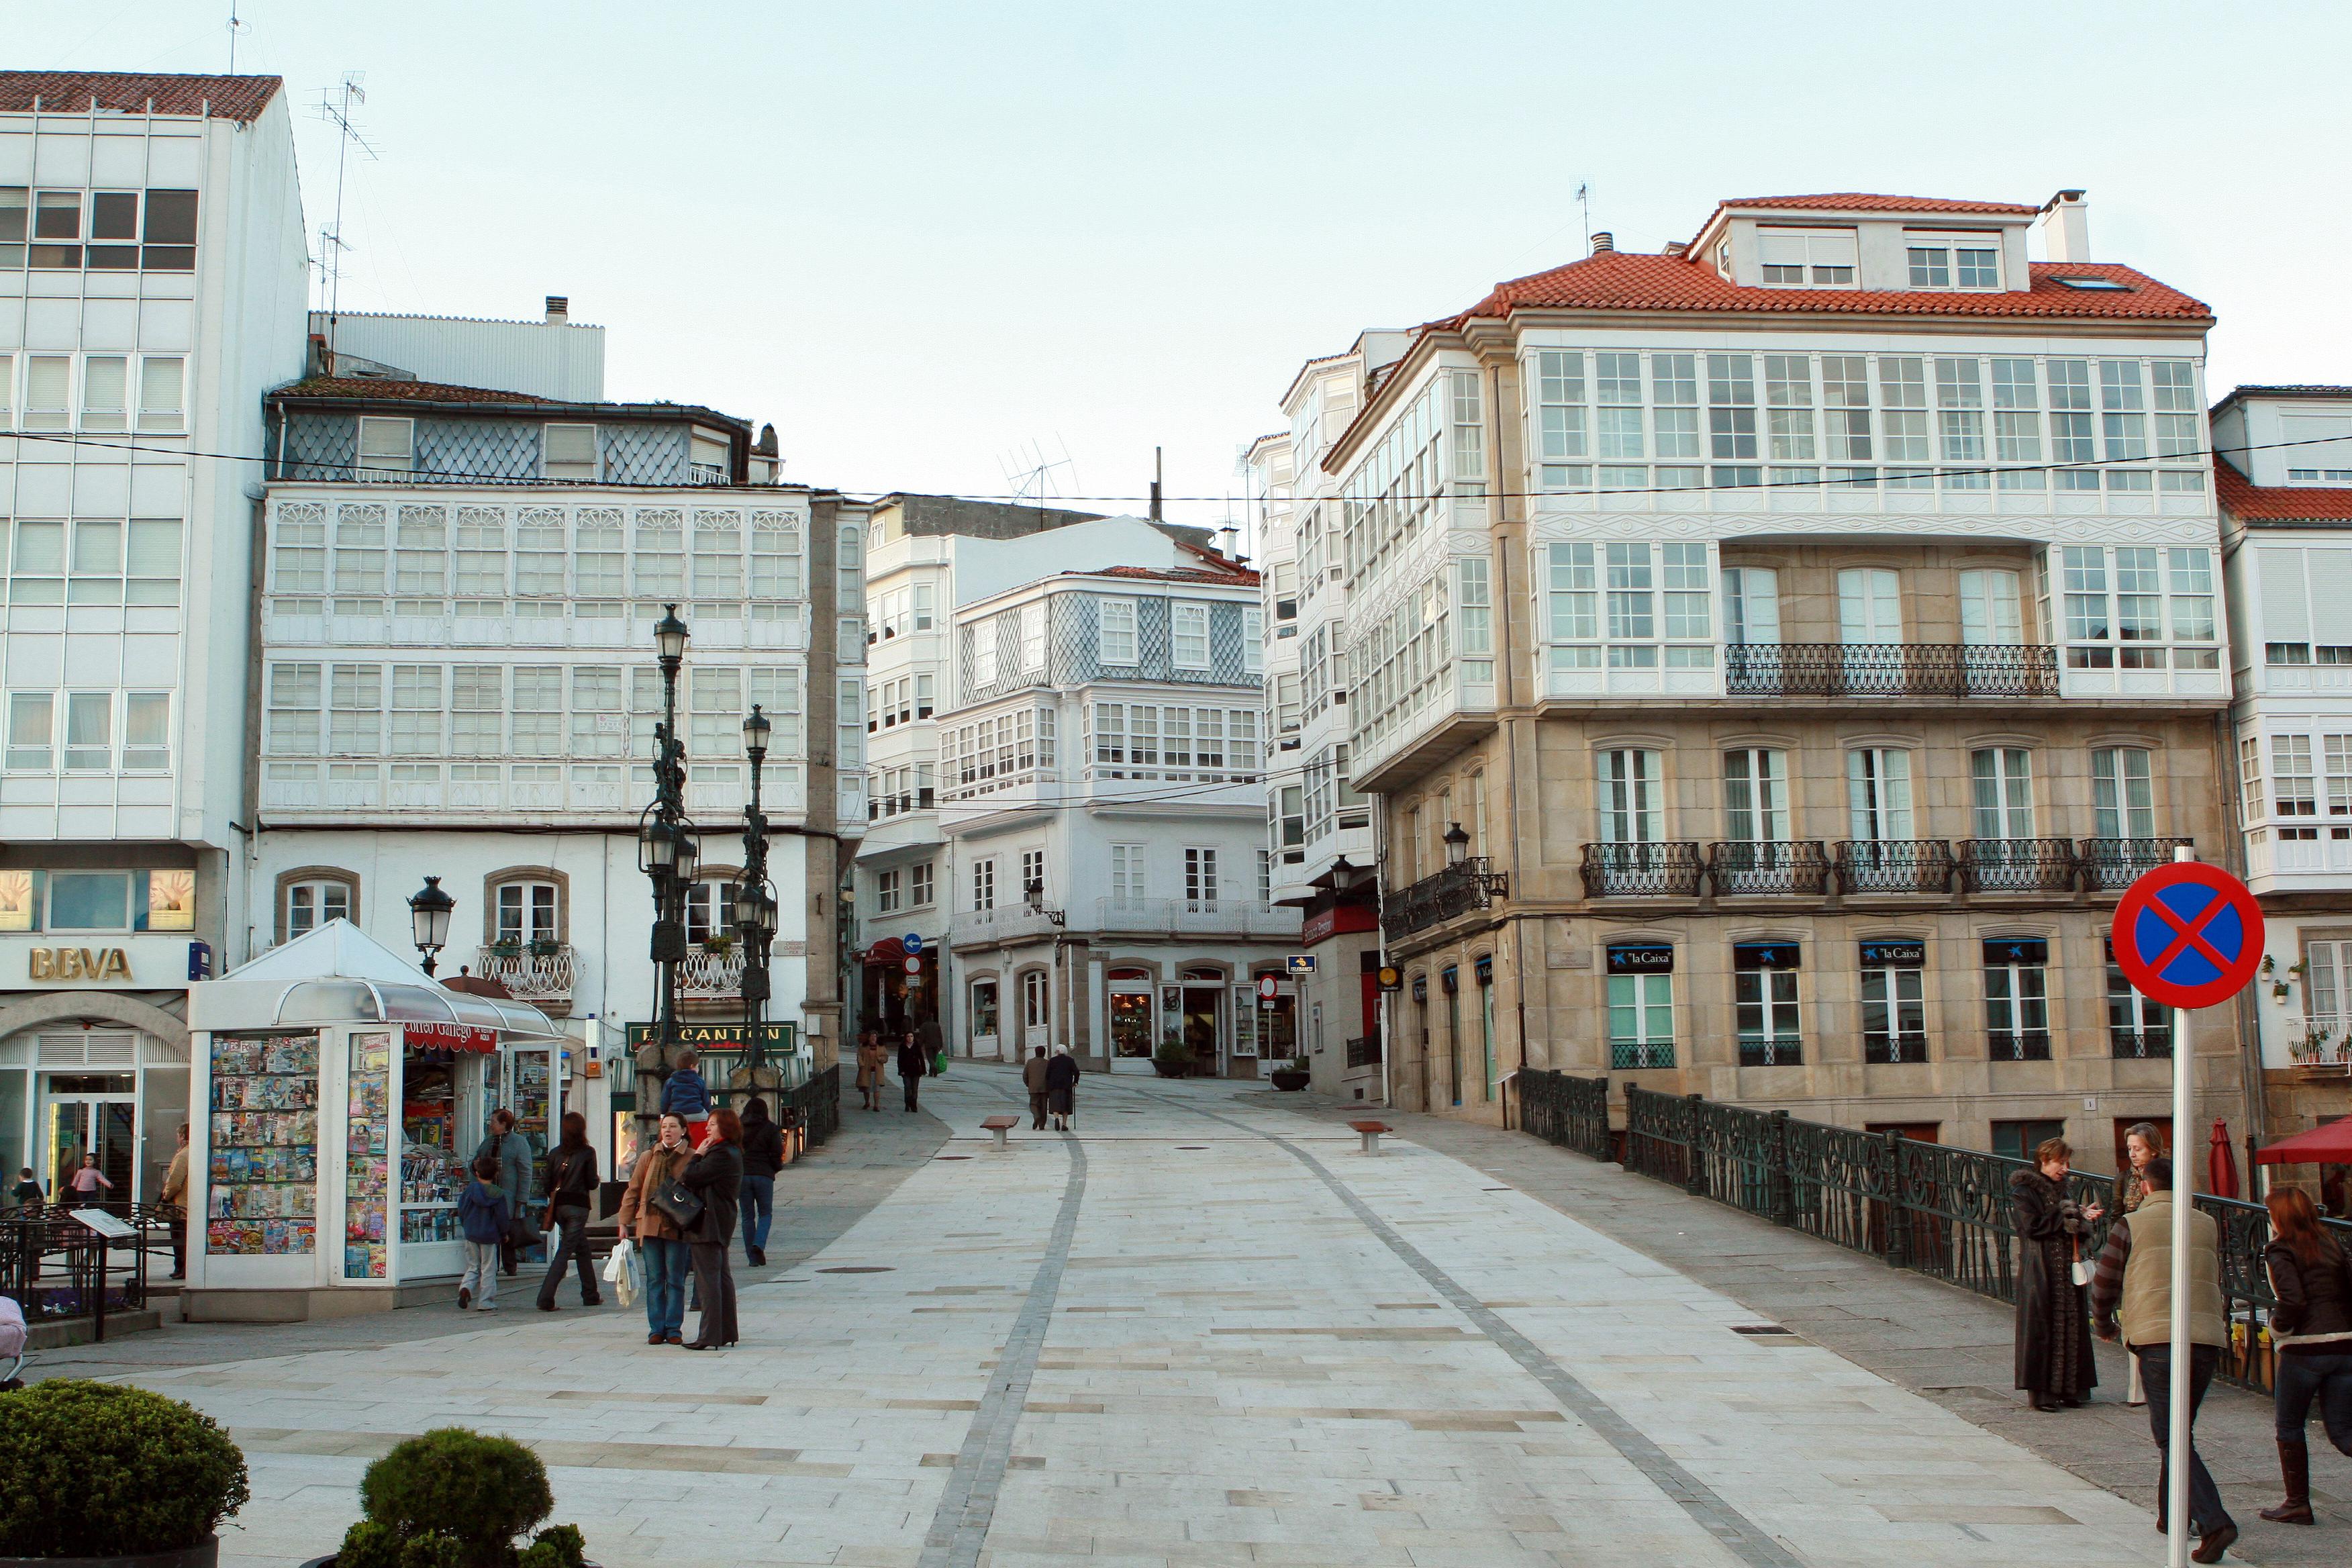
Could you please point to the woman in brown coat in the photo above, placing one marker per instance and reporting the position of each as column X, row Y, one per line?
column 2053, row 1325
column 659, row 1241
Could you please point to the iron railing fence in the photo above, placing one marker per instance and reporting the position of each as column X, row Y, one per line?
column 1893, row 866
column 55, row 1268
column 2017, row 865
column 2109, row 864
column 1890, row 669
column 1940, row 1211
column 1741, row 867
column 1668, row 868
column 1573, row 1112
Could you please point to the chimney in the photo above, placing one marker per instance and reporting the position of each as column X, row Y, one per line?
column 559, row 310
column 2066, row 225
column 1677, row 246
column 1604, row 241
column 1155, row 484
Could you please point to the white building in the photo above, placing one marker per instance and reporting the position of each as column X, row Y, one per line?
column 1096, row 844
column 459, row 681
column 2284, row 483
column 151, row 290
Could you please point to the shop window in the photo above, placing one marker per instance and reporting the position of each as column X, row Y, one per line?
column 984, row 1009
column 2017, row 999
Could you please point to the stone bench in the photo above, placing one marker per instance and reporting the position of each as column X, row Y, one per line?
column 999, row 1126
column 1370, row 1132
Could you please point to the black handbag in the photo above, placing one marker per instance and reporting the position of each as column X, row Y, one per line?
column 678, row 1203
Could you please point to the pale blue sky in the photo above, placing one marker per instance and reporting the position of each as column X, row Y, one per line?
column 921, row 238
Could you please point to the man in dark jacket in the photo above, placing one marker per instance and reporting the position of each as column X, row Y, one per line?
column 1033, row 1076
column 511, row 1150
column 933, row 1043
column 763, row 1156
column 911, row 1065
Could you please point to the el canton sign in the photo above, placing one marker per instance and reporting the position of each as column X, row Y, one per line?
column 78, row 964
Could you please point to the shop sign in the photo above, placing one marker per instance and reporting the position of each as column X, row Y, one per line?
column 1755, row 955
column 78, row 964
column 1298, row 964
column 1640, row 957
column 452, row 1037
column 1894, row 955
column 1338, row 920
column 714, row 1037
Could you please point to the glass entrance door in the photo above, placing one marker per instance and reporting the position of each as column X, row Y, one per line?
column 92, row 1113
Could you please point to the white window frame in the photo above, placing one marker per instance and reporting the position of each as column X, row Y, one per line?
column 386, row 450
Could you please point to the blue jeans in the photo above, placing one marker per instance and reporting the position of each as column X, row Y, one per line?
column 667, row 1265
column 2306, row 1375
column 2206, row 1513
column 759, row 1195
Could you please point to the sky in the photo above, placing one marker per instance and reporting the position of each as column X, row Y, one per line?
column 938, row 245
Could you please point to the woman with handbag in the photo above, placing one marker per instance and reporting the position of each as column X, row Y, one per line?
column 571, row 1188
column 646, row 1218
column 715, row 1176
column 2055, row 1363
column 2143, row 1142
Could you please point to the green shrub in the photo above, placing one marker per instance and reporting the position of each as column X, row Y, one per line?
column 557, row 1546
column 450, row 1499
column 93, row 1469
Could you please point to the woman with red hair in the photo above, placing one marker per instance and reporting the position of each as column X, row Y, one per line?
column 2312, row 1327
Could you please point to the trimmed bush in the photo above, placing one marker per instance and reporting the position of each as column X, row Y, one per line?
column 456, row 1499
column 94, row 1470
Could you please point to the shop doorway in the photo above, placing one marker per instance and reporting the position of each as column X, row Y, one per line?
column 1203, row 990
column 91, row 1113
column 1131, row 1017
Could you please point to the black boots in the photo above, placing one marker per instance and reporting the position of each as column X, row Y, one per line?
column 2295, row 1465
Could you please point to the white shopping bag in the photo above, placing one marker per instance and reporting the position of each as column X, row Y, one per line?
column 621, row 1271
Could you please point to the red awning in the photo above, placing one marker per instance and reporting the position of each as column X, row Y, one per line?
column 2328, row 1145
column 889, row 951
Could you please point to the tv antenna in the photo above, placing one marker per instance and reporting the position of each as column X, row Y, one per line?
column 1030, row 475
column 1584, row 205
column 234, row 29
column 335, row 109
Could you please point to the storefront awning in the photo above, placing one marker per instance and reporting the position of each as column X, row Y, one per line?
column 338, row 975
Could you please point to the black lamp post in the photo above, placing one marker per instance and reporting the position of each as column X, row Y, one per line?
column 667, row 852
column 754, row 902
column 429, row 915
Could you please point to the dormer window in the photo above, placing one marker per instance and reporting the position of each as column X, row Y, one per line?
column 569, row 453
column 1807, row 257
column 1953, row 260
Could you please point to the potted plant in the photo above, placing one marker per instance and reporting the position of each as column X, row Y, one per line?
column 1291, row 1076
column 1172, row 1059
column 95, row 1471
column 507, row 947
column 456, row 1499
column 719, row 944
column 545, row 947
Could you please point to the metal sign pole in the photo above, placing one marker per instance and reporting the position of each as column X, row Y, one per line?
column 2180, row 1380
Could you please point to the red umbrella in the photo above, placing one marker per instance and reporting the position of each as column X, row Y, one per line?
column 2221, row 1162
column 2327, row 1145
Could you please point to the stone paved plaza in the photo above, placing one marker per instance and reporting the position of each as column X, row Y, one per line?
column 1209, row 1331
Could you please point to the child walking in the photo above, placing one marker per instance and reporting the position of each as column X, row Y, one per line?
column 482, row 1214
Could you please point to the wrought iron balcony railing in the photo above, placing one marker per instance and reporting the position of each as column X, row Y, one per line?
column 536, row 973
column 2018, row 864
column 1890, row 669
column 706, row 976
column 1894, row 865
column 1641, row 1053
column 1771, row 1050
column 1893, row 1047
column 2019, row 1044
column 1740, row 867
column 1667, row 869
column 2109, row 864
column 1456, row 891
column 2127, row 1045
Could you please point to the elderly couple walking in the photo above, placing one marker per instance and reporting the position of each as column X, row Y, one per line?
column 1053, row 1084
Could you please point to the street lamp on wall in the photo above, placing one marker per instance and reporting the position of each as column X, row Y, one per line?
column 428, row 916
column 1457, row 843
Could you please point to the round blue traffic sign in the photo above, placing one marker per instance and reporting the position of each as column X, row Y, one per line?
column 912, row 941
column 2187, row 934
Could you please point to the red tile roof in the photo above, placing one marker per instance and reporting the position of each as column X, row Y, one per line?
column 2251, row 503
column 1868, row 202
column 238, row 97
column 1629, row 280
column 1237, row 577
column 387, row 389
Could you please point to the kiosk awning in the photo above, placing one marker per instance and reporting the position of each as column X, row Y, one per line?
column 338, row 975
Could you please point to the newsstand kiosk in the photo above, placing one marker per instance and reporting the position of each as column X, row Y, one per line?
column 342, row 1092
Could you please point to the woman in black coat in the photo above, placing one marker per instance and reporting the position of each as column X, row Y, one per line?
column 571, row 1173
column 715, row 1176
column 1062, row 1088
column 2054, row 1366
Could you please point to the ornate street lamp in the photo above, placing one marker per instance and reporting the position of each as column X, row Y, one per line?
column 429, row 915
column 667, row 853
column 1457, row 843
column 754, row 905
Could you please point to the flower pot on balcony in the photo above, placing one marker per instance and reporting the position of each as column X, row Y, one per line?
column 545, row 948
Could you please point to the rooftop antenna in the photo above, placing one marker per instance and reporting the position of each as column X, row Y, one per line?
column 1584, row 205
column 1031, row 475
column 234, row 27
column 337, row 111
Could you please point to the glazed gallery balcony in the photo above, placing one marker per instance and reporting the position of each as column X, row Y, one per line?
column 1890, row 669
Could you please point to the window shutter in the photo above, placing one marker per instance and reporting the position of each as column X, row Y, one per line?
column 2329, row 572
column 2285, row 616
